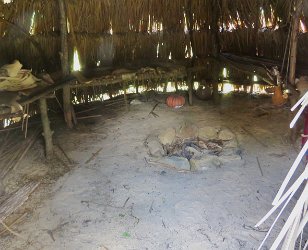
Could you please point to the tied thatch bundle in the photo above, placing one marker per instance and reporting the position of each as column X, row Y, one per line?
column 13, row 78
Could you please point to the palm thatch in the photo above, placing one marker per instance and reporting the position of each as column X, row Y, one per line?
column 121, row 31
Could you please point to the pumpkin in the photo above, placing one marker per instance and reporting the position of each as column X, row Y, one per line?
column 175, row 101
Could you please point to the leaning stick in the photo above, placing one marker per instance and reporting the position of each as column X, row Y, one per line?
column 94, row 155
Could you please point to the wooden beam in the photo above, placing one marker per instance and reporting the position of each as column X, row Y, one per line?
column 45, row 91
column 106, row 81
column 71, row 82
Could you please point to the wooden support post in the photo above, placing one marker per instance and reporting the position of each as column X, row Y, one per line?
column 176, row 86
column 86, row 95
column 190, row 89
column 294, row 39
column 47, row 133
column 67, row 104
column 125, row 95
column 245, row 89
column 293, row 56
column 165, row 87
column 137, row 88
column 256, row 29
column 192, row 43
column 215, row 33
column 215, row 92
column 251, row 88
column 67, row 108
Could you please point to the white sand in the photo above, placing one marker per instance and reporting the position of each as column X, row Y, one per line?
column 117, row 201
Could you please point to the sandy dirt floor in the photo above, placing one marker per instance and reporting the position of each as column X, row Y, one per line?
column 116, row 200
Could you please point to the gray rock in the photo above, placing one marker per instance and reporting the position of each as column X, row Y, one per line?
column 209, row 161
column 188, row 131
column 195, row 153
column 135, row 102
column 154, row 146
column 231, row 144
column 167, row 136
column 208, row 133
column 226, row 134
column 176, row 162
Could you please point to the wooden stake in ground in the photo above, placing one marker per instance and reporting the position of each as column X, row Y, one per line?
column 67, row 108
column 46, row 128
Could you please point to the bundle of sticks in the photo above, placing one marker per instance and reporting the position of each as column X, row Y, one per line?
column 13, row 149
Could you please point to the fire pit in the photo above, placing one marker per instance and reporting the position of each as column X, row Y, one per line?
column 191, row 148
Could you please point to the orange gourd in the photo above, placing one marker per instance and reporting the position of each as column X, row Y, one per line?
column 175, row 101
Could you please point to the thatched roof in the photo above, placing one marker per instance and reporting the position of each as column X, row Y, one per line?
column 119, row 31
